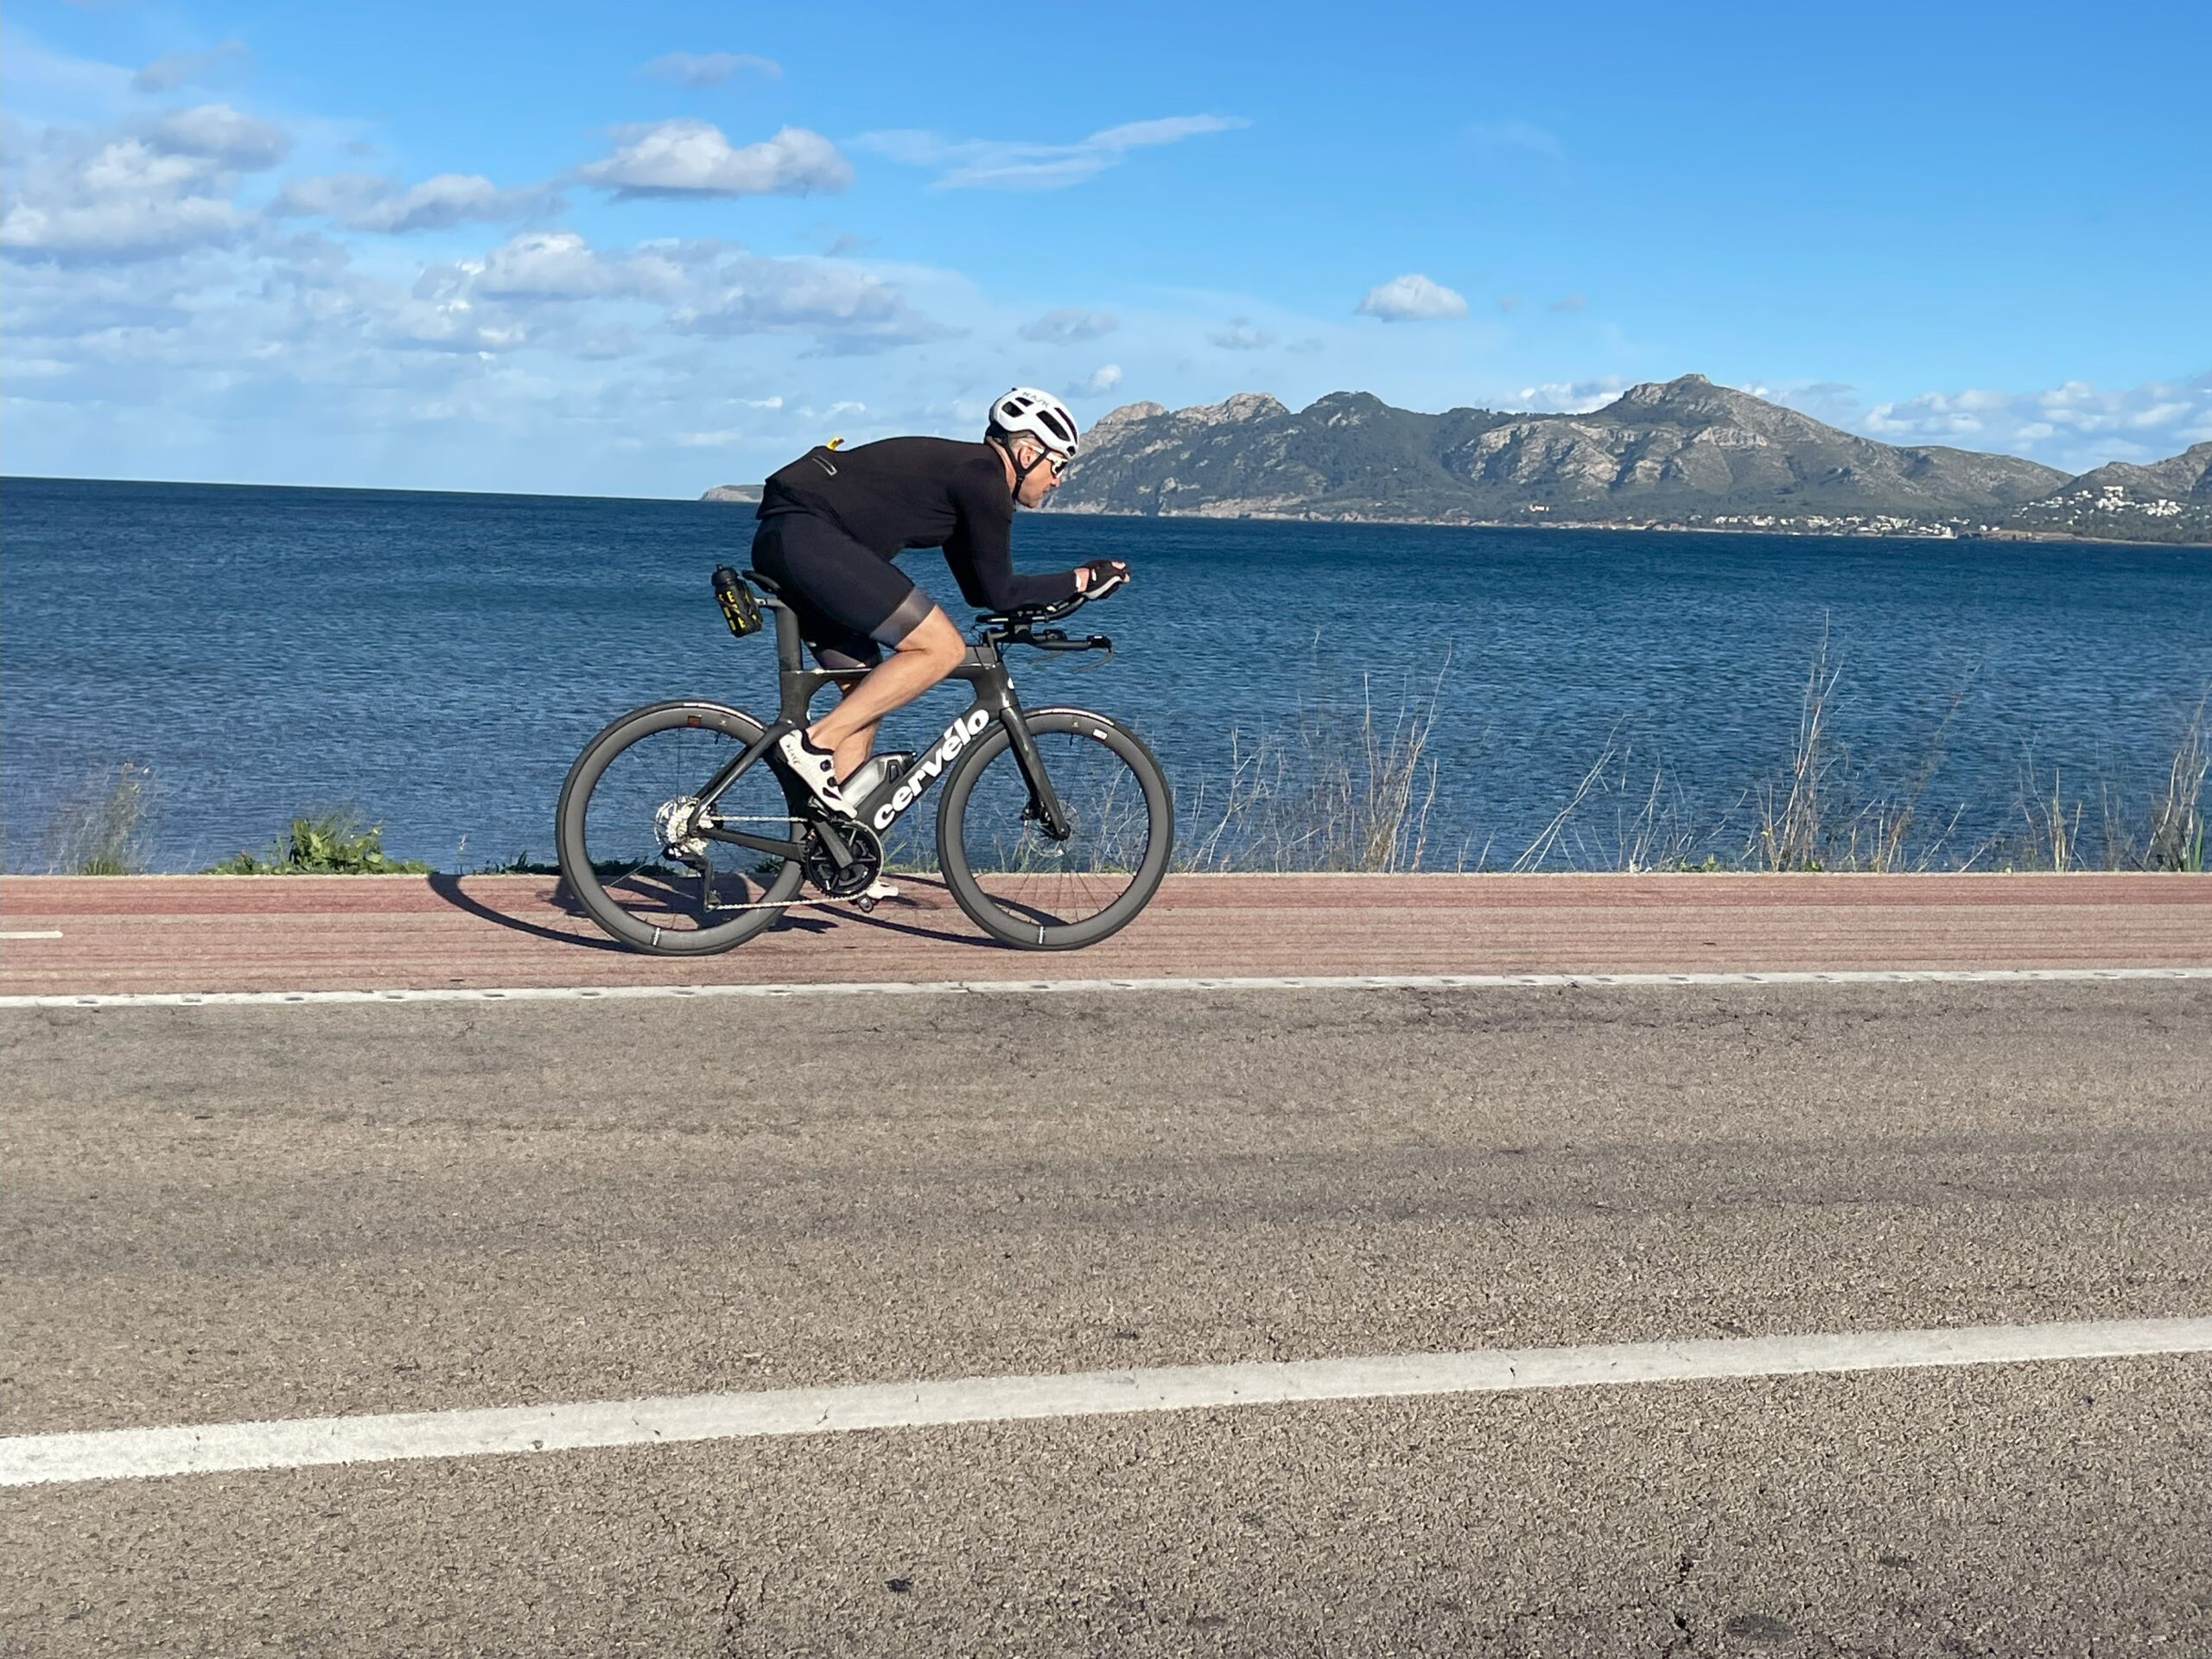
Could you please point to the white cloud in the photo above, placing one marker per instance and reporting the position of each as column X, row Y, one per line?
column 362, row 202
column 845, row 311
column 997, row 164
column 330, row 195
column 711, row 68
column 1832, row 402
column 548, row 265
column 120, row 228
column 1098, row 381
column 219, row 133
column 1572, row 397
column 175, row 69
column 1069, row 328
column 2076, row 426
column 142, row 191
column 448, row 199
column 539, row 283
column 1412, row 298
column 1241, row 336
column 693, row 158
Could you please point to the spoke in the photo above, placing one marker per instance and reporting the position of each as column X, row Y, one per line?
column 640, row 820
column 1034, row 879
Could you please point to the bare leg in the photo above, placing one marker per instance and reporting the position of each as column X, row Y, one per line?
column 851, row 754
column 932, row 650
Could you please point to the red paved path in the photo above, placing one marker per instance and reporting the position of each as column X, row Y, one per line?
column 218, row 933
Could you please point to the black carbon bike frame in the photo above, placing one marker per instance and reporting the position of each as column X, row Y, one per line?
column 984, row 668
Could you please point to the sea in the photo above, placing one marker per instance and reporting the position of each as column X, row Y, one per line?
column 432, row 664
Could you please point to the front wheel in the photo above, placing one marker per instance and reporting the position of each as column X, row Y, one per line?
column 626, row 830
column 1016, row 881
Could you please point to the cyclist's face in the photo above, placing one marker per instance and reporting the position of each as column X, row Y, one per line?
column 1043, row 477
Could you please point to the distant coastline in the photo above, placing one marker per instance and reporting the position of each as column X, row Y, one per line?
column 1896, row 534
column 749, row 495
column 1680, row 455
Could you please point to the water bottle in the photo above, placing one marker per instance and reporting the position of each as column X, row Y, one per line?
column 739, row 609
column 874, row 774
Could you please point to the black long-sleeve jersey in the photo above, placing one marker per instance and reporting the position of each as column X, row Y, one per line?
column 902, row 492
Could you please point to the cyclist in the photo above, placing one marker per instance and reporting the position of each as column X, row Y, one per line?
column 832, row 523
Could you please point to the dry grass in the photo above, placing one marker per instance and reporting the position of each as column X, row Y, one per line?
column 2172, row 839
column 2177, row 839
column 1616, row 818
column 1358, row 789
column 2054, row 826
column 1346, row 790
column 99, row 828
column 1791, row 835
column 1353, row 786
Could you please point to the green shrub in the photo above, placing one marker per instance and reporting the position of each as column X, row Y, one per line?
column 335, row 843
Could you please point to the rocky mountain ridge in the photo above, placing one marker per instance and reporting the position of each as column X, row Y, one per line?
column 1684, row 452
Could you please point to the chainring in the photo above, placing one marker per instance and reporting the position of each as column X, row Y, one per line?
column 857, row 876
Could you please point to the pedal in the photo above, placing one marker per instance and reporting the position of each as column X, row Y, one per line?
column 865, row 905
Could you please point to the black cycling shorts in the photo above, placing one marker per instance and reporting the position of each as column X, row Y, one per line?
column 850, row 603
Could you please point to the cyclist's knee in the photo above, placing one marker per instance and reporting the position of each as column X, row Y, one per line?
column 936, row 641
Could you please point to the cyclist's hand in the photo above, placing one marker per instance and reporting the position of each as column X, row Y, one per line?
column 1101, row 577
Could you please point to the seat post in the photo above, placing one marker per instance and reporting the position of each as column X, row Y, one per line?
column 790, row 649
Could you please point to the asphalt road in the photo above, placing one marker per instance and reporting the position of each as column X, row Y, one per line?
column 219, row 1214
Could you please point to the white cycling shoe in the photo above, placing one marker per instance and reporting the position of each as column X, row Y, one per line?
column 817, row 769
column 880, row 889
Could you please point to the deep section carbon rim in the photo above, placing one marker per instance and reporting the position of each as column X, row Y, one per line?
column 1020, row 883
column 629, row 841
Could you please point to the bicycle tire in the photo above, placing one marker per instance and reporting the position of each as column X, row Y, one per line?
column 1026, row 918
column 583, row 878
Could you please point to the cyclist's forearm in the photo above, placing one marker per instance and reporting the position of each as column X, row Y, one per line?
column 996, row 586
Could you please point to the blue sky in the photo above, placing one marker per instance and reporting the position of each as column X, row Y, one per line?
column 640, row 251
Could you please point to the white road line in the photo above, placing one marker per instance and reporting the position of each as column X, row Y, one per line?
column 142, row 1453
column 985, row 987
column 32, row 933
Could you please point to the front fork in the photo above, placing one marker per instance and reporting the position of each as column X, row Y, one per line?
column 1044, row 808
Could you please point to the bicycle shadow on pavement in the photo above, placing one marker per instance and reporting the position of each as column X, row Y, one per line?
column 448, row 888
column 887, row 924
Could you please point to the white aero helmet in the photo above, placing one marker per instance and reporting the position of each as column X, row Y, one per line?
column 1027, row 411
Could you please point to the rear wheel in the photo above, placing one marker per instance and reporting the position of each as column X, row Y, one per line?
column 1014, row 878
column 627, row 831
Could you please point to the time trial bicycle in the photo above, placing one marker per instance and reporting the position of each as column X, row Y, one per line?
column 681, row 833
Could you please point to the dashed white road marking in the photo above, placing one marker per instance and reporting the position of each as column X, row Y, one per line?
column 141, row 1453
column 31, row 934
column 1205, row 983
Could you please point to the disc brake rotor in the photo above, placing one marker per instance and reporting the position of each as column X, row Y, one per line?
column 674, row 823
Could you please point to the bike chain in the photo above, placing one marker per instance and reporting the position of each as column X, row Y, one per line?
column 861, row 900
column 790, row 904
